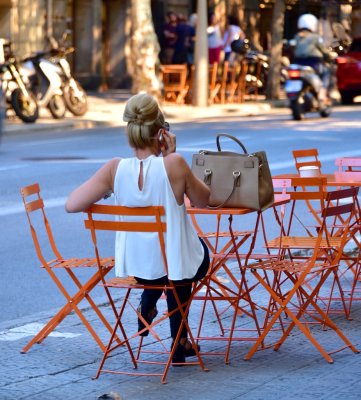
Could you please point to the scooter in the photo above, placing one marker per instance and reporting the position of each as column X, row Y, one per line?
column 74, row 95
column 46, row 83
column 302, row 89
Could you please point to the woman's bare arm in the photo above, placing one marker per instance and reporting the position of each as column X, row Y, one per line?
column 184, row 182
column 94, row 189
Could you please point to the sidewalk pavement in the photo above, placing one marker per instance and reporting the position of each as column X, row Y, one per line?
column 106, row 109
column 63, row 366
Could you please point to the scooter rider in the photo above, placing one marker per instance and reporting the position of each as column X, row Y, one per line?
column 310, row 50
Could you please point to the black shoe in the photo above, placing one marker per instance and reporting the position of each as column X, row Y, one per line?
column 179, row 355
column 149, row 318
column 181, row 352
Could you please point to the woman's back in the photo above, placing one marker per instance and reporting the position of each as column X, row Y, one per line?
column 139, row 254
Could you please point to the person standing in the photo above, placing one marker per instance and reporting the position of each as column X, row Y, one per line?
column 233, row 32
column 215, row 42
column 185, row 34
column 170, row 37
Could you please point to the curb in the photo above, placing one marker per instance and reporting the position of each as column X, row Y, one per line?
column 104, row 113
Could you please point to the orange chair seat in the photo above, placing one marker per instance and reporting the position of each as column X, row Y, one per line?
column 302, row 242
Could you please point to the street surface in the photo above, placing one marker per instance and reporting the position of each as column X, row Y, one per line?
column 60, row 161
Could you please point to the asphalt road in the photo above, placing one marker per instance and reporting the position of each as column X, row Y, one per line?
column 60, row 161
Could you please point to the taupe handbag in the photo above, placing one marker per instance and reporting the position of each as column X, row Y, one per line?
column 235, row 180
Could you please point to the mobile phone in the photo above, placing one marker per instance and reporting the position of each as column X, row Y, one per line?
column 161, row 139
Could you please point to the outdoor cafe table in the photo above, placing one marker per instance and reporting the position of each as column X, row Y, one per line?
column 238, row 289
column 337, row 179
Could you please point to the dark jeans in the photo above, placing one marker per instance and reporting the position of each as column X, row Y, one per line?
column 183, row 289
column 321, row 68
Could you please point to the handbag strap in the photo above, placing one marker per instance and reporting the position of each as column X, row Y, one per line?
column 236, row 178
column 229, row 137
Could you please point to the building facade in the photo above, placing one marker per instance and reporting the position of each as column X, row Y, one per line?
column 99, row 29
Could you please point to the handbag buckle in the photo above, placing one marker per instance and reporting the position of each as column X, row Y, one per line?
column 260, row 162
column 237, row 177
column 207, row 176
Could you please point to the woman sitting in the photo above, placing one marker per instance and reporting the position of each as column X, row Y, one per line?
column 150, row 180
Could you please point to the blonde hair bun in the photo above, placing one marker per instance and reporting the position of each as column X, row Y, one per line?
column 141, row 108
column 144, row 119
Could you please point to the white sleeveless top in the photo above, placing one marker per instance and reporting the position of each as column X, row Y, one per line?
column 137, row 253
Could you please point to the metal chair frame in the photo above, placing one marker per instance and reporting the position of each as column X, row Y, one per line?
column 70, row 265
column 96, row 221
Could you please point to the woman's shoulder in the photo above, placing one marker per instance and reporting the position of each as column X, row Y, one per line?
column 174, row 159
column 112, row 165
column 175, row 164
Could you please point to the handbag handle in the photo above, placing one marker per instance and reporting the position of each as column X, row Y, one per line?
column 236, row 179
column 229, row 137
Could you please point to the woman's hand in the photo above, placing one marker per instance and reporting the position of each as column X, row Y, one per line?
column 168, row 143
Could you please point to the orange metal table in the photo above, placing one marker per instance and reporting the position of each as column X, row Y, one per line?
column 238, row 292
column 338, row 179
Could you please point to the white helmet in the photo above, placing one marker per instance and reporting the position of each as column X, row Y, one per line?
column 308, row 21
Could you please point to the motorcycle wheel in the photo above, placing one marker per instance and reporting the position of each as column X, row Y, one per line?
column 76, row 103
column 325, row 112
column 346, row 97
column 26, row 109
column 296, row 108
column 57, row 106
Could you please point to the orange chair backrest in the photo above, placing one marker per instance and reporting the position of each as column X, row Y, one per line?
column 306, row 157
column 97, row 221
column 33, row 202
column 339, row 209
column 349, row 163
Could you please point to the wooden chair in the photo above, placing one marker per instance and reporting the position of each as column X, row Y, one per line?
column 348, row 164
column 234, row 72
column 174, row 78
column 241, row 81
column 55, row 264
column 146, row 220
column 340, row 205
column 224, row 81
column 214, row 84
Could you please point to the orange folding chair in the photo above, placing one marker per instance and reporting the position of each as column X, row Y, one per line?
column 295, row 245
column 348, row 164
column 34, row 207
column 306, row 158
column 339, row 207
column 303, row 191
column 146, row 220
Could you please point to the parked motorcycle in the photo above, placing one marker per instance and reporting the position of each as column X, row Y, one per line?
column 16, row 89
column 74, row 95
column 46, row 83
column 258, row 65
column 302, row 89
